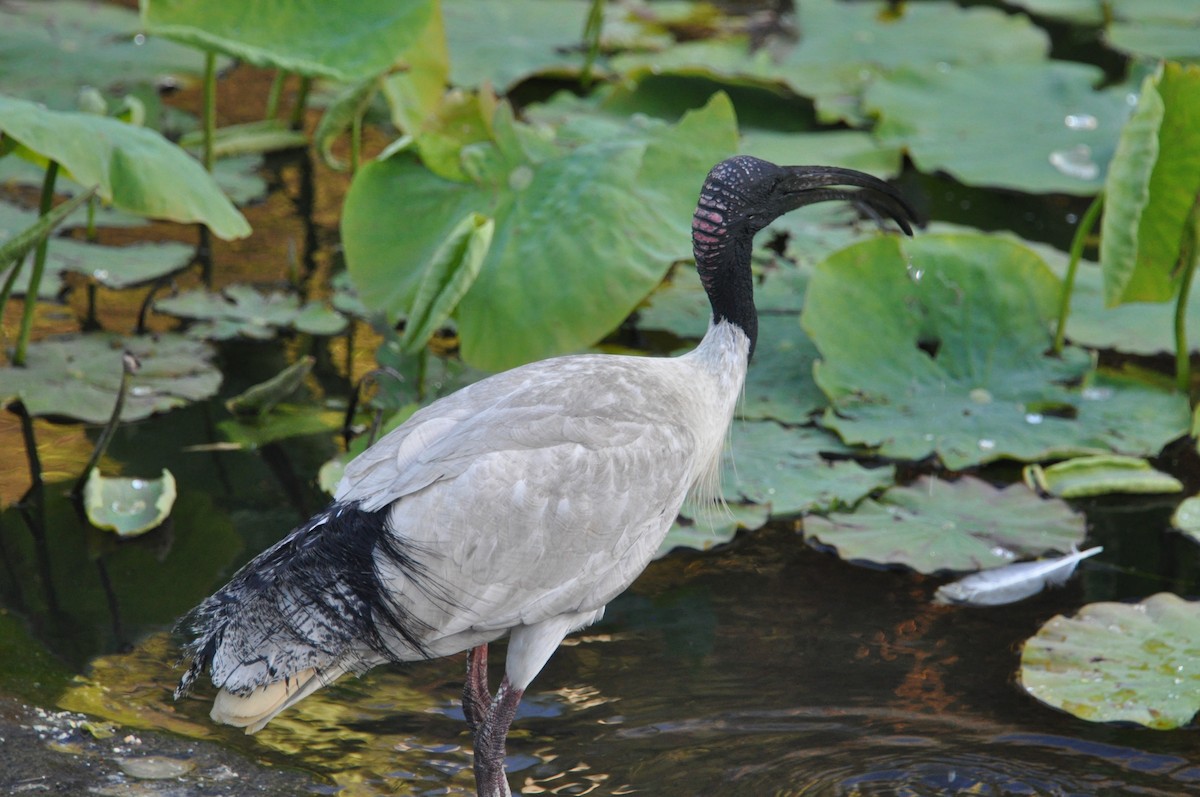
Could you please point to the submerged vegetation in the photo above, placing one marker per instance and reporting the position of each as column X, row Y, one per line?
column 503, row 192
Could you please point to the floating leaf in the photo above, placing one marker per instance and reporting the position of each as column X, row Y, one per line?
column 345, row 40
column 1100, row 475
column 715, row 526
column 135, row 168
column 964, row 120
column 1118, row 662
column 17, row 246
column 933, row 526
column 79, row 376
column 1187, row 517
column 1152, row 186
column 785, row 470
column 937, row 346
column 595, row 211
column 259, row 399
column 1011, row 583
column 115, row 267
column 495, row 42
column 128, row 506
column 240, row 310
column 52, row 49
column 451, row 271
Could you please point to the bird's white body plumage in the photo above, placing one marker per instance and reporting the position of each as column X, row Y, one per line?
column 530, row 499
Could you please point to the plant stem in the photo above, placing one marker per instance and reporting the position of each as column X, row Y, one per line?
column 275, row 93
column 129, row 366
column 1086, row 225
column 210, row 107
column 1189, row 256
column 592, row 29
column 297, row 121
column 39, row 265
column 356, row 140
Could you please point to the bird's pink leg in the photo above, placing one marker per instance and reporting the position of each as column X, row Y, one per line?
column 476, row 697
column 490, row 736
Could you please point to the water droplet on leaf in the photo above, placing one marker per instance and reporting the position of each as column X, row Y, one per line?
column 1075, row 162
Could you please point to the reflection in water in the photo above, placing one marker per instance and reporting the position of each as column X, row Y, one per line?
column 764, row 669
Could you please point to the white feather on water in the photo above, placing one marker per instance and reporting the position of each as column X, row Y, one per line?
column 1011, row 583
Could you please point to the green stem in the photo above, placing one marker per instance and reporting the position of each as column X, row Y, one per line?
column 1189, row 256
column 1086, row 225
column 592, row 29
column 356, row 140
column 275, row 93
column 39, row 266
column 129, row 366
column 210, row 107
column 297, row 121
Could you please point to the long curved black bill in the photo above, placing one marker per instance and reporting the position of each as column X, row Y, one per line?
column 808, row 185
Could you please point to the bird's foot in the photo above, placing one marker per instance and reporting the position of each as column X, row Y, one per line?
column 477, row 698
column 490, row 736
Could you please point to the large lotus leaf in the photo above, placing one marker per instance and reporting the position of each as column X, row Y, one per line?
column 785, row 469
column 844, row 46
column 340, row 39
column 136, row 169
column 1152, row 185
column 964, row 120
column 1119, row 662
column 49, row 50
column 586, row 226
column 241, row 311
column 964, row 525
column 849, row 149
column 937, row 346
column 78, row 377
column 496, row 42
column 780, row 384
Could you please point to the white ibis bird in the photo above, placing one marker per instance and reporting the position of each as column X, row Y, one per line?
column 518, row 506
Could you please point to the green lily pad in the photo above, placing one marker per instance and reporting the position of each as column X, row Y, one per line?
column 78, row 376
column 593, row 211
column 1100, row 475
column 849, row 149
column 128, row 506
column 241, row 311
column 1118, row 662
column 780, row 384
column 451, row 271
column 115, row 267
column 784, row 469
column 1186, row 517
column 963, row 121
column 134, row 168
column 937, row 346
column 344, row 40
column 495, row 42
column 965, row 525
column 845, row 46
column 715, row 526
column 1152, row 185
column 49, row 50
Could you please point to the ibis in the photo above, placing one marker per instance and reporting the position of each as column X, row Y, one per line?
column 516, row 507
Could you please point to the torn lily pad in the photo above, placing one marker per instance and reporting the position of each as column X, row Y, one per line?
column 241, row 311
column 128, row 506
column 938, row 346
column 934, row 526
column 1100, row 475
column 784, row 469
column 79, row 376
column 1119, row 662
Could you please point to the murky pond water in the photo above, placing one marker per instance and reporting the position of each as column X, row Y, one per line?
column 762, row 668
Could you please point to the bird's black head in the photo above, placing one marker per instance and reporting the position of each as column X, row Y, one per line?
column 743, row 194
